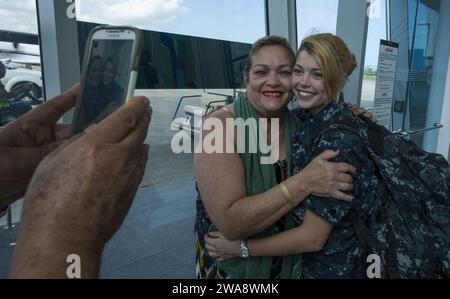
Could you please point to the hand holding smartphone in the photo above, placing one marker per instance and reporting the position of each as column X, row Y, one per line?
column 109, row 73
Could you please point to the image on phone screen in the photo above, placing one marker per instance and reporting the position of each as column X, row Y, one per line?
column 106, row 82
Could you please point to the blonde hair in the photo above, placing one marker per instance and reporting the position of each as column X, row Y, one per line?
column 346, row 58
column 333, row 57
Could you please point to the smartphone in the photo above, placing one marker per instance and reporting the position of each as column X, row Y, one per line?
column 109, row 72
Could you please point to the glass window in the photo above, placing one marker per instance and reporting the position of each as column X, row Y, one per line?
column 20, row 89
column 21, row 84
column 232, row 20
column 179, row 61
column 189, row 46
column 416, row 32
column 13, row 14
column 376, row 31
column 316, row 16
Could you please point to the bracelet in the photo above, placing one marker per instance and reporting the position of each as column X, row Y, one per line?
column 287, row 195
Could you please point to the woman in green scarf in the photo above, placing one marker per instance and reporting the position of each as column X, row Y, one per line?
column 240, row 194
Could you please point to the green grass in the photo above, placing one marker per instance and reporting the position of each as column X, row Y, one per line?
column 3, row 105
column 370, row 77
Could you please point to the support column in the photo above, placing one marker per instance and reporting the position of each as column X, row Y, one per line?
column 352, row 24
column 281, row 20
column 58, row 46
column 443, row 145
column 398, row 12
column 439, row 101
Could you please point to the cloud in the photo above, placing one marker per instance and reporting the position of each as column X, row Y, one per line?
column 18, row 15
column 140, row 13
column 316, row 16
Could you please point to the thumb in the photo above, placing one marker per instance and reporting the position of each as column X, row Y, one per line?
column 144, row 156
column 215, row 234
column 329, row 154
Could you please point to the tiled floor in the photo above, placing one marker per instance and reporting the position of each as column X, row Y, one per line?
column 156, row 239
column 6, row 238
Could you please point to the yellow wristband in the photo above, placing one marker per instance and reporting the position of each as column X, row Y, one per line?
column 286, row 194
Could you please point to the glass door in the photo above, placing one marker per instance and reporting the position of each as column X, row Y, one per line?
column 414, row 25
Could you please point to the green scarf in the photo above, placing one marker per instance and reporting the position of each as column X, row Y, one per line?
column 260, row 178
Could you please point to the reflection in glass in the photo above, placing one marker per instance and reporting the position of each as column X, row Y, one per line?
column 106, row 80
column 172, row 61
column 232, row 20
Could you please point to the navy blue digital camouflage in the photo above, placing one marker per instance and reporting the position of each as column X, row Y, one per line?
column 409, row 227
column 343, row 255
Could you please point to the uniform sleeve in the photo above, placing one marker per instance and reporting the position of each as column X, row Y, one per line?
column 352, row 151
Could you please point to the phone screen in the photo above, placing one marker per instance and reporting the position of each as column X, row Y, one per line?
column 106, row 80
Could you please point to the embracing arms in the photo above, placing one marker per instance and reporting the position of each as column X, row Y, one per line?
column 311, row 236
column 320, row 216
column 221, row 182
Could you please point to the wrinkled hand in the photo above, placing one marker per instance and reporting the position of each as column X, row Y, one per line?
column 81, row 192
column 25, row 142
column 329, row 179
column 362, row 111
column 220, row 248
column 94, row 177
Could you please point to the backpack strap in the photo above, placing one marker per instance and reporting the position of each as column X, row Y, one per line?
column 375, row 135
column 338, row 122
column 375, row 142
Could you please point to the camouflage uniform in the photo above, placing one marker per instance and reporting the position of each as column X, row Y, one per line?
column 342, row 255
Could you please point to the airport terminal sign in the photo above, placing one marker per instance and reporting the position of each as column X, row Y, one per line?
column 387, row 64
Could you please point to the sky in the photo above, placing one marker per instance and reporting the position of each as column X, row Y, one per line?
column 376, row 31
column 319, row 16
column 234, row 20
column 18, row 15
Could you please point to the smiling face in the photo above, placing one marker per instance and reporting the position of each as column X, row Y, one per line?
column 94, row 73
column 109, row 72
column 268, row 81
column 308, row 84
